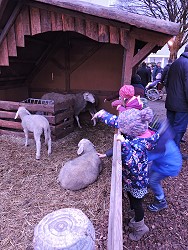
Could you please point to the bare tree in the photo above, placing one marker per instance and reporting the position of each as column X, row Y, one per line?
column 172, row 10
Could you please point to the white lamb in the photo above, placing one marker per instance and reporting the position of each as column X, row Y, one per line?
column 36, row 124
column 83, row 170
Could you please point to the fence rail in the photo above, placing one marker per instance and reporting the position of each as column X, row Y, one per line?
column 115, row 233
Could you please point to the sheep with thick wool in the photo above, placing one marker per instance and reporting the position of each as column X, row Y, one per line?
column 82, row 102
column 36, row 124
column 83, row 170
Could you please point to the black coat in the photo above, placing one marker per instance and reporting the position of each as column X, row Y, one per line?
column 164, row 76
column 145, row 75
column 177, row 85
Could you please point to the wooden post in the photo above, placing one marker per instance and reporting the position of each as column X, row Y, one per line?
column 115, row 234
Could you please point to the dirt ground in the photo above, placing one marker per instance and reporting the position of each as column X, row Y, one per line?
column 29, row 190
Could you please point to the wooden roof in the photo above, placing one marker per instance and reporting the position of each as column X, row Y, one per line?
column 112, row 13
column 21, row 20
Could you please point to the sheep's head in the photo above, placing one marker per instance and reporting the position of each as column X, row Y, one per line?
column 21, row 111
column 89, row 97
column 84, row 145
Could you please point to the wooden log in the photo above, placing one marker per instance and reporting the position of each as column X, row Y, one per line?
column 68, row 23
column 4, row 60
column 10, row 124
column 35, row 21
column 11, row 42
column 19, row 31
column 56, row 20
column 45, row 20
column 7, row 115
column 66, row 228
column 8, row 105
column 103, row 33
column 92, row 30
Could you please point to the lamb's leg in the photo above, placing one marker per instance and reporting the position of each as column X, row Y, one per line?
column 38, row 146
column 77, row 119
column 26, row 137
column 49, row 146
column 94, row 120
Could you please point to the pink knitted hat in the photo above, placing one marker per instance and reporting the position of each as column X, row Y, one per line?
column 127, row 91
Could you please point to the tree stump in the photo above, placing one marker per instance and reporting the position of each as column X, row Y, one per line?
column 64, row 229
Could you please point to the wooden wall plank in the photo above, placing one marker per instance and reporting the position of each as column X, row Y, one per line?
column 19, row 31
column 80, row 25
column 4, row 61
column 103, row 33
column 26, row 23
column 11, row 42
column 114, row 35
column 92, row 30
column 56, row 20
column 35, row 21
column 45, row 20
column 68, row 23
column 123, row 37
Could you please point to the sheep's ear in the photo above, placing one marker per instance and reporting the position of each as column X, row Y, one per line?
column 80, row 149
column 16, row 116
column 27, row 112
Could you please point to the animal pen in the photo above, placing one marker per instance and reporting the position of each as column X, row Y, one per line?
column 66, row 47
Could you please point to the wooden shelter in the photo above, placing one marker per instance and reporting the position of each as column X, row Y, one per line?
column 70, row 46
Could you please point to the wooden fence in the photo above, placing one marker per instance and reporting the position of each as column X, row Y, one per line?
column 115, row 233
column 60, row 117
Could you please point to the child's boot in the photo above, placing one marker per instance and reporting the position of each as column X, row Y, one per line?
column 139, row 229
column 158, row 205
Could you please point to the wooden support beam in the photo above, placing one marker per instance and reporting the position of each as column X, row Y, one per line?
column 143, row 53
column 11, row 20
column 127, row 61
column 85, row 57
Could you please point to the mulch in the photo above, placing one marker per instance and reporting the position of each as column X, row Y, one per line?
column 29, row 190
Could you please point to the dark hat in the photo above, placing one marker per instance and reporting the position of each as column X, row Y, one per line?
column 136, row 79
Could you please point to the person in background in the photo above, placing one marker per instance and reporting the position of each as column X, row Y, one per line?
column 164, row 75
column 177, row 97
column 134, row 124
column 154, row 83
column 157, row 69
column 136, row 82
column 145, row 74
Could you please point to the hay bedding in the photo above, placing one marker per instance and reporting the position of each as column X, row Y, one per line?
column 29, row 190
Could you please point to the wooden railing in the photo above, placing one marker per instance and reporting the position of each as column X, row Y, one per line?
column 115, row 233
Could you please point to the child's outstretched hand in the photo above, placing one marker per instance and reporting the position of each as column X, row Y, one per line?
column 101, row 155
column 98, row 114
column 120, row 138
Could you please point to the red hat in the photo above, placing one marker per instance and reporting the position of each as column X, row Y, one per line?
column 127, row 91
